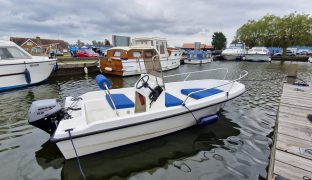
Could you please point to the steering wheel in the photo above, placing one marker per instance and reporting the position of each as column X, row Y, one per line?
column 143, row 81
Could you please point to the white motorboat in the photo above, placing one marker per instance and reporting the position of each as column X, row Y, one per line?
column 125, row 61
column 198, row 57
column 19, row 69
column 235, row 51
column 310, row 59
column 258, row 54
column 100, row 120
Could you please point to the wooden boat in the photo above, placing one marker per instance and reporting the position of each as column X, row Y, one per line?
column 125, row 61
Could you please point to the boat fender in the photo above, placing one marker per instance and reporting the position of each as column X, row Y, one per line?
column 27, row 76
column 85, row 69
column 208, row 119
column 101, row 80
column 55, row 67
column 108, row 69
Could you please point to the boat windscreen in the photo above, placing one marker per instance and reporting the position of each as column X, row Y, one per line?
column 8, row 53
column 152, row 62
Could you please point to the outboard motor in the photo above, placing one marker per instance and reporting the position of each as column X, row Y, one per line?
column 45, row 115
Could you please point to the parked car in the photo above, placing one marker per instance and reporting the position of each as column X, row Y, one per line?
column 86, row 53
column 288, row 53
column 56, row 52
column 304, row 52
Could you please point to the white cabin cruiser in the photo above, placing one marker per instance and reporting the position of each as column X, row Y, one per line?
column 258, row 54
column 235, row 51
column 100, row 120
column 198, row 57
column 19, row 69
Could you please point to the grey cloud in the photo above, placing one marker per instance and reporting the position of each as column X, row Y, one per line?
column 175, row 18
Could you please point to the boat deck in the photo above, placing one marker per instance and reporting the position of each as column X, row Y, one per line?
column 291, row 155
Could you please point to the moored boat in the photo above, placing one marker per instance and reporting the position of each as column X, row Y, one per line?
column 19, row 69
column 100, row 120
column 235, row 51
column 125, row 61
column 198, row 57
column 258, row 54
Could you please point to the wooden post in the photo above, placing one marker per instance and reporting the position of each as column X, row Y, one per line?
column 292, row 74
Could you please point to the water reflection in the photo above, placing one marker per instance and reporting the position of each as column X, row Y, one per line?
column 124, row 161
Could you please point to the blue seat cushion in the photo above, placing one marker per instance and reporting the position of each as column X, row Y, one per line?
column 171, row 100
column 202, row 94
column 121, row 101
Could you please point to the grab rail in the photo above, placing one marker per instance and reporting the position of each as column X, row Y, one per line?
column 241, row 76
column 190, row 73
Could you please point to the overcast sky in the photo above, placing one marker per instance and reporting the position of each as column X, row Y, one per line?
column 177, row 20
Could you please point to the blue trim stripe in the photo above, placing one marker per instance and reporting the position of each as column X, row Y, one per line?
column 20, row 86
column 14, row 87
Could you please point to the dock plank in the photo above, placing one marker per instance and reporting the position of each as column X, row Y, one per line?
column 295, row 130
column 293, row 145
column 293, row 160
column 289, row 171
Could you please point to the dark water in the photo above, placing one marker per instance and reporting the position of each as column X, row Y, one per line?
column 236, row 147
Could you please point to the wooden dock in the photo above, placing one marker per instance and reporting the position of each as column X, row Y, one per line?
column 291, row 155
column 75, row 66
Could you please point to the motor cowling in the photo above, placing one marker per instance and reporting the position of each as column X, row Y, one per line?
column 45, row 115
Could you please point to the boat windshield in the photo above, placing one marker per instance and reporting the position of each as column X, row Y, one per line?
column 236, row 46
column 10, row 53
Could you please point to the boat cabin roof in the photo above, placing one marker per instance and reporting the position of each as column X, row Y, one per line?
column 150, row 38
column 128, row 48
column 7, row 43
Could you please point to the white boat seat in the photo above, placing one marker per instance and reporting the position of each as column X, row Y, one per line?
column 121, row 101
column 201, row 94
column 171, row 100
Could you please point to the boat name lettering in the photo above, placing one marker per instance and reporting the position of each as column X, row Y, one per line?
column 34, row 65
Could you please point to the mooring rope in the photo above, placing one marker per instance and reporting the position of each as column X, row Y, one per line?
column 77, row 157
column 196, row 120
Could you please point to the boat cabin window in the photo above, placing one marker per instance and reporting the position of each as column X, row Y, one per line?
column 144, row 42
column 148, row 54
column 117, row 54
column 162, row 47
column 8, row 53
column 136, row 54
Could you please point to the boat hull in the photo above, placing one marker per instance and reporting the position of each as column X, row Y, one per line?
column 258, row 57
column 100, row 141
column 198, row 61
column 13, row 76
column 232, row 57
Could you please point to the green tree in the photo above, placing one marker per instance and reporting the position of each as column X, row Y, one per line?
column 218, row 40
column 94, row 43
column 80, row 43
column 270, row 30
column 107, row 43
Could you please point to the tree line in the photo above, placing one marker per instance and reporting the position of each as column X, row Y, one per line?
column 94, row 43
column 270, row 30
